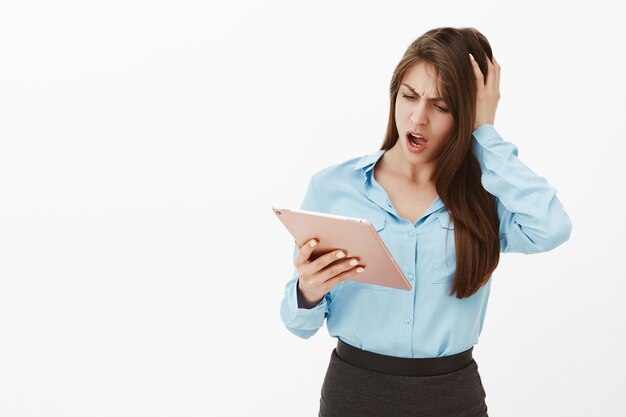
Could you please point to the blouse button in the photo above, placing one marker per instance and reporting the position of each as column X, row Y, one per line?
column 407, row 319
column 410, row 277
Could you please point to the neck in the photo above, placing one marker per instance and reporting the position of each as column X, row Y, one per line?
column 420, row 174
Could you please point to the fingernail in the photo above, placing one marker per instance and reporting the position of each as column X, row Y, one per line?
column 340, row 255
column 472, row 57
column 359, row 270
column 313, row 243
column 354, row 262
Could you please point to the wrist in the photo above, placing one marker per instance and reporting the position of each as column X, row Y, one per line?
column 305, row 301
column 477, row 125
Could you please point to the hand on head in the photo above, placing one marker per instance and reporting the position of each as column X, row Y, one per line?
column 487, row 91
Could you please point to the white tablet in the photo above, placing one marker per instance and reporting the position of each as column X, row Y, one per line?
column 356, row 237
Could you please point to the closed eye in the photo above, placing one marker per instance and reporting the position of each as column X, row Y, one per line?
column 411, row 98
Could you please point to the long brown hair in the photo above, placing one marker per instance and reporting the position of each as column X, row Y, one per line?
column 457, row 175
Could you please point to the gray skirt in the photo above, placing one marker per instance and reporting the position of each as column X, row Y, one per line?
column 351, row 391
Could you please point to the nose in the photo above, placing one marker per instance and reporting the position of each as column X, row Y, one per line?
column 418, row 115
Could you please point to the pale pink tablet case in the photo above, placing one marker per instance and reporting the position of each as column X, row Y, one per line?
column 357, row 238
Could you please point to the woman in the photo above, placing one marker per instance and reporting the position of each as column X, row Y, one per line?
column 446, row 194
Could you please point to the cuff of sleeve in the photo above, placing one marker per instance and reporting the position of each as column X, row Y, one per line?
column 299, row 316
column 482, row 135
column 485, row 133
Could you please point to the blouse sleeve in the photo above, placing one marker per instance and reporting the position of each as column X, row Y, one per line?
column 532, row 218
column 303, row 322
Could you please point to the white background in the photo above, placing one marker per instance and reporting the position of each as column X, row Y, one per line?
column 143, row 145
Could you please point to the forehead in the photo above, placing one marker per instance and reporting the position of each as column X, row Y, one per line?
column 423, row 79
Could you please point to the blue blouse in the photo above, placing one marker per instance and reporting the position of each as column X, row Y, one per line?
column 425, row 321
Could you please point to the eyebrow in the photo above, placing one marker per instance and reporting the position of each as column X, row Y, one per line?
column 415, row 92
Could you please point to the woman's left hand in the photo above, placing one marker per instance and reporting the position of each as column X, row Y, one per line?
column 487, row 93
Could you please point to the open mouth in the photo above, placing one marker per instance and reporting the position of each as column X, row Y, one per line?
column 416, row 141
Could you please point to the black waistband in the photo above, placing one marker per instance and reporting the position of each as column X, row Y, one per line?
column 393, row 365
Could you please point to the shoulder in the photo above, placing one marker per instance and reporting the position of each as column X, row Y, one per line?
column 340, row 183
column 345, row 170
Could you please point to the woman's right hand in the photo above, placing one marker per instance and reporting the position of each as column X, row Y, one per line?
column 315, row 281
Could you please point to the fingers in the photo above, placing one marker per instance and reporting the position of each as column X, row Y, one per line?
column 493, row 73
column 329, row 284
column 338, row 272
column 325, row 260
column 492, row 76
column 318, row 275
column 477, row 72
column 305, row 251
column 497, row 71
column 321, row 262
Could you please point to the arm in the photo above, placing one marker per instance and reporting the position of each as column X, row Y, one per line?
column 300, row 320
column 532, row 219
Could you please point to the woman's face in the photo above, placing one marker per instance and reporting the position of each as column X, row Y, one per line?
column 419, row 110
